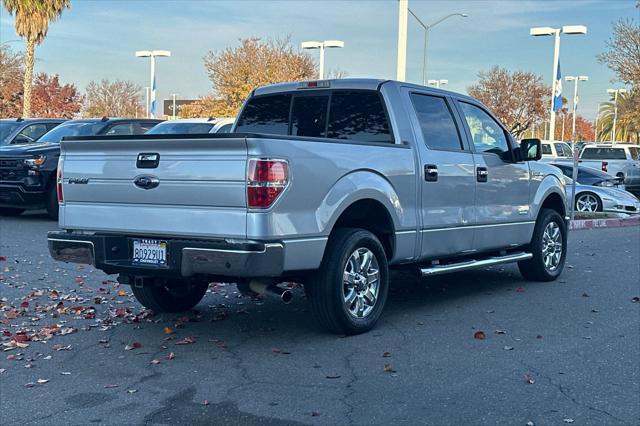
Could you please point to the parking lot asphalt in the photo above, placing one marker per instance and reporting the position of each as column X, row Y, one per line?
column 552, row 353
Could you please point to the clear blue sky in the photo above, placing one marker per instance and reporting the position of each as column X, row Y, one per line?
column 97, row 39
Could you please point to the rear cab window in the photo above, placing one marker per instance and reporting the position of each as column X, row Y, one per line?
column 350, row 115
column 603, row 154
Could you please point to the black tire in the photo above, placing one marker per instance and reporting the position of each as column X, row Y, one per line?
column 7, row 211
column 326, row 288
column 535, row 269
column 170, row 295
column 52, row 202
column 598, row 200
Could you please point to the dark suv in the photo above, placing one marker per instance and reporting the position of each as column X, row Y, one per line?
column 25, row 130
column 28, row 171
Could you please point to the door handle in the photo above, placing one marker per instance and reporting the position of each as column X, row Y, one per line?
column 482, row 174
column 430, row 172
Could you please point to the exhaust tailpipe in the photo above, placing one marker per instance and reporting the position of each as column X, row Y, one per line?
column 270, row 289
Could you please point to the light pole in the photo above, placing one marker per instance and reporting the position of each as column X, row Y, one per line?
column 574, row 176
column 615, row 92
column 426, row 38
column 173, row 96
column 146, row 104
column 595, row 136
column 401, row 64
column 555, row 93
column 322, row 45
column 437, row 83
column 152, row 54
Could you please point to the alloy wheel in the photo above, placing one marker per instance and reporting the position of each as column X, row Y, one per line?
column 552, row 246
column 361, row 283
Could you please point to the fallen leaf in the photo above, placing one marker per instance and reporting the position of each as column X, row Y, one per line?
column 42, row 381
column 315, row 414
column 186, row 341
column 171, row 355
column 3, row 258
column 530, row 424
column 110, row 386
column 386, row 354
column 528, row 378
column 29, row 385
column 24, row 304
column 479, row 335
column 635, row 299
column 12, row 314
column 205, row 402
column 568, row 420
column 520, row 290
column 333, row 376
column 65, row 373
column 594, row 310
column 508, row 348
column 155, row 361
column 388, row 368
column 276, row 350
column 132, row 390
column 122, row 293
column 168, row 330
column 134, row 345
column 500, row 332
column 585, row 295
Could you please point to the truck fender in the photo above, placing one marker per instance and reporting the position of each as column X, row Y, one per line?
column 550, row 185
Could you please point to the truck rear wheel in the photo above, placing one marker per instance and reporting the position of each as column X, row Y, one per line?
column 170, row 295
column 548, row 246
column 349, row 292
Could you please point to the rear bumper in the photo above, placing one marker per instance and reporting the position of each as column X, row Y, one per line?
column 112, row 254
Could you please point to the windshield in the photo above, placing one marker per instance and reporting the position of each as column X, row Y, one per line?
column 168, row 128
column 72, row 129
column 6, row 129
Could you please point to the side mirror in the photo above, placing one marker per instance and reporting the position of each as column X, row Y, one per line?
column 530, row 150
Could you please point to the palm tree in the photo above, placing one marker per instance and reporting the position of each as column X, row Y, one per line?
column 628, row 119
column 32, row 23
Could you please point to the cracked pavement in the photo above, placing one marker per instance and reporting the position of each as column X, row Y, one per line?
column 575, row 339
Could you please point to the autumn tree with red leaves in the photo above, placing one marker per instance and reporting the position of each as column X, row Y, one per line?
column 584, row 128
column 518, row 98
column 51, row 99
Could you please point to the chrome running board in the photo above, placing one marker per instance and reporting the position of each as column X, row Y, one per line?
column 472, row 264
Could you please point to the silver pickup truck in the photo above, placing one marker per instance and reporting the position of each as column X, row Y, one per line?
column 327, row 183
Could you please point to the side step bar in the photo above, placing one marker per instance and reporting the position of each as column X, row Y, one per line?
column 472, row 264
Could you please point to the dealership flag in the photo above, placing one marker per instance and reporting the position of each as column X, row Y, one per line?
column 557, row 97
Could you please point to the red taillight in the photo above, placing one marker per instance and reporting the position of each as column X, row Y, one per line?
column 605, row 166
column 266, row 180
column 59, row 183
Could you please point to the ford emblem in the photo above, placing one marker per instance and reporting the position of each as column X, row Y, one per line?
column 146, row 182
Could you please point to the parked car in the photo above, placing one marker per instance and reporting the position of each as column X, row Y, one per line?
column 25, row 130
column 193, row 126
column 28, row 171
column 621, row 160
column 554, row 150
column 326, row 183
column 590, row 176
column 590, row 199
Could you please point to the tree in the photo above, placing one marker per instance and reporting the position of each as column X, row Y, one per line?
column 628, row 118
column 32, row 23
column 50, row 99
column 235, row 72
column 518, row 98
column 11, row 74
column 623, row 51
column 120, row 98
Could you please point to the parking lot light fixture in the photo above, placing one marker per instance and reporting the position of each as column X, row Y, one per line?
column 437, row 83
column 574, row 176
column 153, row 54
column 615, row 93
column 550, row 31
column 322, row 45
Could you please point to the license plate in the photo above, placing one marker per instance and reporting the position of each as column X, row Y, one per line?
column 150, row 252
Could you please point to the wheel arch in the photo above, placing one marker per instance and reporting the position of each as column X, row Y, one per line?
column 550, row 195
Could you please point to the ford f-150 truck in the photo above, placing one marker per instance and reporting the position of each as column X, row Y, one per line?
column 327, row 183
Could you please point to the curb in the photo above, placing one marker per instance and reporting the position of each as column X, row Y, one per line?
column 604, row 223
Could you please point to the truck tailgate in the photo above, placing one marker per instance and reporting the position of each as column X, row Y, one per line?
column 200, row 192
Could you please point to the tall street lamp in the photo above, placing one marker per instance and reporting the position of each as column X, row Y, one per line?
column 615, row 92
column 574, row 176
column 146, row 103
column 548, row 31
column 426, row 38
column 437, row 83
column 595, row 136
column 152, row 54
column 322, row 45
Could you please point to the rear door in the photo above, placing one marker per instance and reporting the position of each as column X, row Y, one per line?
column 448, row 181
column 153, row 186
column 502, row 200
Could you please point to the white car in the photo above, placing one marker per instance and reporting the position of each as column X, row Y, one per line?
column 193, row 126
column 591, row 199
column 555, row 150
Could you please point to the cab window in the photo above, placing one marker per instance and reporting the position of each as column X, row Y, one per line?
column 487, row 135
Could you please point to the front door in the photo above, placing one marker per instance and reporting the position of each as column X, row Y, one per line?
column 502, row 200
column 448, row 179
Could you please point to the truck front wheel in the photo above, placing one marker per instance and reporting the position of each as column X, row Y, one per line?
column 348, row 293
column 548, row 246
column 170, row 295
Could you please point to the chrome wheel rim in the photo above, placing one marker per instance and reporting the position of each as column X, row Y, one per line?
column 587, row 203
column 552, row 246
column 361, row 283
